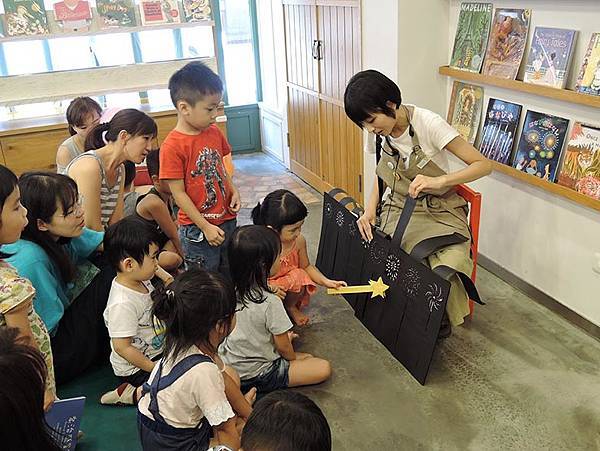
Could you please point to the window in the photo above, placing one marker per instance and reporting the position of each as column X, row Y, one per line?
column 24, row 57
column 112, row 49
column 238, row 51
column 157, row 45
column 197, row 42
column 78, row 56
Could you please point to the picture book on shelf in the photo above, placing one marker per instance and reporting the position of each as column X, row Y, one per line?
column 540, row 145
column 159, row 12
column 64, row 418
column 550, row 56
column 196, row 10
column 581, row 165
column 499, row 130
column 472, row 35
column 25, row 17
column 464, row 111
column 506, row 46
column 588, row 81
column 116, row 13
column 73, row 15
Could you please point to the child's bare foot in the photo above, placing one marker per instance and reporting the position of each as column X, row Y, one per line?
column 251, row 396
column 293, row 335
column 298, row 317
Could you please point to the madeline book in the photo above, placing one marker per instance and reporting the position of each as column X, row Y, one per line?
column 506, row 46
column 64, row 418
column 159, row 12
column 196, row 10
column 25, row 17
column 581, row 165
column 472, row 35
column 550, row 56
column 73, row 15
column 588, row 81
column 499, row 130
column 464, row 112
column 116, row 13
column 540, row 146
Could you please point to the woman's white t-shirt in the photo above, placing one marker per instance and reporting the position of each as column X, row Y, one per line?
column 433, row 132
column 198, row 393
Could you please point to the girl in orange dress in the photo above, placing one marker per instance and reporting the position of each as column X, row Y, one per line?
column 297, row 278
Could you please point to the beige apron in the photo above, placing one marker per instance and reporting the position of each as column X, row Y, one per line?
column 435, row 215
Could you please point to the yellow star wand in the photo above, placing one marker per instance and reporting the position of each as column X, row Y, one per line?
column 377, row 288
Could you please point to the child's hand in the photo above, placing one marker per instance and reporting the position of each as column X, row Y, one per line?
column 214, row 235
column 49, row 399
column 236, row 202
column 334, row 283
column 277, row 291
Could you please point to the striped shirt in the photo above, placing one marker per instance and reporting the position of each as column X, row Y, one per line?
column 108, row 194
column 74, row 152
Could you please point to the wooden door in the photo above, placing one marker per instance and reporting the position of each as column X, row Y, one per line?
column 341, row 139
column 300, row 23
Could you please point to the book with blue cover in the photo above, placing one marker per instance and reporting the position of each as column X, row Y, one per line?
column 541, row 144
column 550, row 56
column 64, row 419
column 500, row 130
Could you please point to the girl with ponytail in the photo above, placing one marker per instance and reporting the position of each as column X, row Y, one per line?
column 99, row 172
column 190, row 394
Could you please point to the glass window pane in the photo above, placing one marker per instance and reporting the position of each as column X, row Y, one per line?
column 24, row 57
column 157, row 45
column 71, row 53
column 123, row 100
column 197, row 42
column 36, row 110
column 238, row 51
column 112, row 49
column 159, row 98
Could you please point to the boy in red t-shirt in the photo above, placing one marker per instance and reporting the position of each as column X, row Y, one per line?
column 191, row 161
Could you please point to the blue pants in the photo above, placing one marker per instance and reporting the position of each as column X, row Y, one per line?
column 197, row 251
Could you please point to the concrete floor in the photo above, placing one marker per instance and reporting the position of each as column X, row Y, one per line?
column 516, row 376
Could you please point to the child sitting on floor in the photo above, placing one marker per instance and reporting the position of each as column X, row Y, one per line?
column 297, row 278
column 156, row 208
column 17, row 293
column 188, row 397
column 260, row 347
column 286, row 421
column 136, row 339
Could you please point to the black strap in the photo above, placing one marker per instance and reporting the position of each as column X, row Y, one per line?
column 407, row 211
column 431, row 245
column 446, row 272
column 357, row 210
column 378, row 147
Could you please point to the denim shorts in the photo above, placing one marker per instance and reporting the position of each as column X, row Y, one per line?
column 197, row 251
column 273, row 378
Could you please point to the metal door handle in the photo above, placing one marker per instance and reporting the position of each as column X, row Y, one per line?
column 319, row 49
column 315, row 49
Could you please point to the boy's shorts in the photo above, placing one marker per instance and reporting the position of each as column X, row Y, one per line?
column 273, row 378
column 198, row 253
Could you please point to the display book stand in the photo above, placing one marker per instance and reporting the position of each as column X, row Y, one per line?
column 563, row 95
column 407, row 320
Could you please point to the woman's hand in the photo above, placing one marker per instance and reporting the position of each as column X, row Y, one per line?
column 425, row 184
column 365, row 223
column 328, row 283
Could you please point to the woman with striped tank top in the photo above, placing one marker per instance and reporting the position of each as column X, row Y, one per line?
column 99, row 172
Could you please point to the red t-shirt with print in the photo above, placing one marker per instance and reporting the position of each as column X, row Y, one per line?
column 198, row 161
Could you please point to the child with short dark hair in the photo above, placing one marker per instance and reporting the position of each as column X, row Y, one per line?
column 185, row 400
column 260, row 347
column 83, row 113
column 297, row 278
column 191, row 161
column 23, row 374
column 286, row 421
column 156, row 208
column 136, row 338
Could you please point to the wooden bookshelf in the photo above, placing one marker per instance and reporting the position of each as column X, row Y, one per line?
column 553, row 188
column 563, row 95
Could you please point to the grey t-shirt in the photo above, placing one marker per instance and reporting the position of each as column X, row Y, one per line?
column 250, row 348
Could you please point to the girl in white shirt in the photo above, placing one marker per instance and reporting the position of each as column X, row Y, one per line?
column 184, row 402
